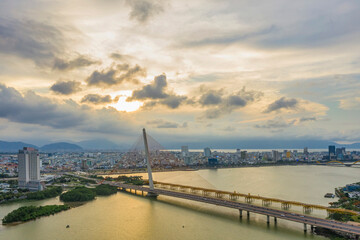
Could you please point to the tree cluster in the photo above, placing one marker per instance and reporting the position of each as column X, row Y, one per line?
column 105, row 190
column 47, row 193
column 79, row 194
column 27, row 213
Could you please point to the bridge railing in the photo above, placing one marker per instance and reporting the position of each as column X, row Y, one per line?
column 285, row 204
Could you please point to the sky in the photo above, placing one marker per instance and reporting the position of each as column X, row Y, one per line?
column 187, row 71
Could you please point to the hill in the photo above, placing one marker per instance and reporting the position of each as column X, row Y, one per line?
column 14, row 146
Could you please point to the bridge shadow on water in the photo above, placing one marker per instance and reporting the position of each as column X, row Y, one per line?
column 232, row 216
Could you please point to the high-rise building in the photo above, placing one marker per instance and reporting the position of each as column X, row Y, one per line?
column 331, row 151
column 84, row 164
column 207, row 152
column 184, row 151
column 340, row 153
column 288, row 154
column 306, row 151
column 29, row 169
column 187, row 160
column 275, row 155
column 243, row 155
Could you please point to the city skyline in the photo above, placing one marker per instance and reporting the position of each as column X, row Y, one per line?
column 267, row 72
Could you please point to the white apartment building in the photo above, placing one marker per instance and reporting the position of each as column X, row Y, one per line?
column 29, row 169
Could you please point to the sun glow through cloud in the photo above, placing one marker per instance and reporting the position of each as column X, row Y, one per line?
column 123, row 105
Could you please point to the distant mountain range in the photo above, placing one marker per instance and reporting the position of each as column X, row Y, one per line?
column 61, row 146
column 13, row 146
column 103, row 144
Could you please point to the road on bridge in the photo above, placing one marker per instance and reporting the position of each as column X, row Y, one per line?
column 305, row 219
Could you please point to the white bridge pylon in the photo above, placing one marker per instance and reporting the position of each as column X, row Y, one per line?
column 148, row 163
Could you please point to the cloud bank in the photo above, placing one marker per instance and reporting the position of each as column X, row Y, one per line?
column 116, row 75
column 66, row 87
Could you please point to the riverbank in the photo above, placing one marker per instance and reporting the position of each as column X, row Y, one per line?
column 349, row 198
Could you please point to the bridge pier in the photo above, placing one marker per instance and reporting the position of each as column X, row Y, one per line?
column 248, row 214
column 240, row 211
column 266, row 202
column 305, row 227
column 268, row 219
column 233, row 197
column 312, row 228
column 285, row 205
column 275, row 220
column 307, row 209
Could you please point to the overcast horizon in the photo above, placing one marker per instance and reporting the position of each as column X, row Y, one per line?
column 187, row 71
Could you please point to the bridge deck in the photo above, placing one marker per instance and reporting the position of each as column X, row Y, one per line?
column 236, row 194
column 325, row 223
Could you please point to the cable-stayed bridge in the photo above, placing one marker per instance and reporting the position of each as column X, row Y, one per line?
column 231, row 199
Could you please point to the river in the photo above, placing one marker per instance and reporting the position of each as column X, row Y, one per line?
column 126, row 216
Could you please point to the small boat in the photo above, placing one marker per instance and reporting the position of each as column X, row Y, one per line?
column 329, row 195
column 67, row 226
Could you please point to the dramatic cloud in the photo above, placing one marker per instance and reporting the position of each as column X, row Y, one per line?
column 31, row 108
column 221, row 45
column 276, row 124
column 81, row 61
column 159, row 123
column 143, row 10
column 156, row 90
column 29, row 39
column 114, row 76
column 237, row 101
column 173, row 101
column 98, row 99
column 282, row 103
column 66, row 87
column 227, row 104
column 157, row 93
column 210, row 98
